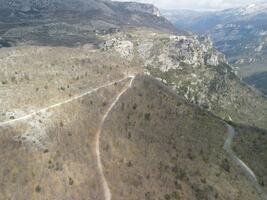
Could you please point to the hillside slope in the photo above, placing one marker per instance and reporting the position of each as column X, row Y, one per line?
column 250, row 147
column 149, row 148
column 188, row 64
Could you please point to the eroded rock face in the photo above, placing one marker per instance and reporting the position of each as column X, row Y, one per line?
column 171, row 52
column 194, row 51
column 123, row 47
column 141, row 7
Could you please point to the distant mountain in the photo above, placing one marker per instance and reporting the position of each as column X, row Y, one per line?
column 184, row 18
column 239, row 33
column 71, row 22
column 78, row 6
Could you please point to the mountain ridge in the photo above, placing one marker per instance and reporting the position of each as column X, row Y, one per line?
column 72, row 22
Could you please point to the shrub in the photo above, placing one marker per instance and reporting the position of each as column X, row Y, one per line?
column 167, row 197
column 71, row 181
column 38, row 188
column 4, row 82
column 225, row 165
column 147, row 116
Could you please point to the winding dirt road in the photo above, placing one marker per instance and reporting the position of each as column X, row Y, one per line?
column 107, row 193
column 106, row 188
column 247, row 171
column 61, row 103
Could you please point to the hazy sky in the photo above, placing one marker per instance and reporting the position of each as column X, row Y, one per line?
column 198, row 4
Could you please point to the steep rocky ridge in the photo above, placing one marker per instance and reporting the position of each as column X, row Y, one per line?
column 195, row 70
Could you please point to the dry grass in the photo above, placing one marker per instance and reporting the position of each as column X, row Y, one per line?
column 36, row 77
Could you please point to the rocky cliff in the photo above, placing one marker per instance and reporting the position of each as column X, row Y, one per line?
column 141, row 7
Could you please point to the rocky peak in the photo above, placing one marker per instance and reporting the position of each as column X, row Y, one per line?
column 141, row 7
column 253, row 8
